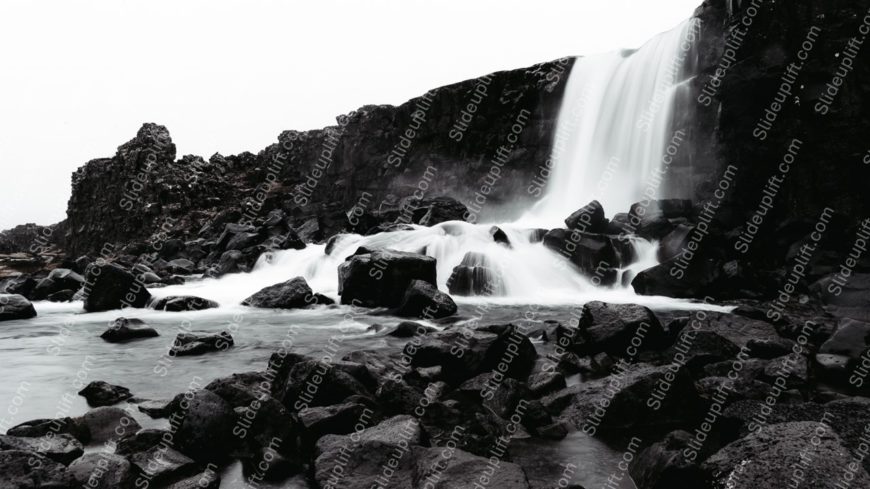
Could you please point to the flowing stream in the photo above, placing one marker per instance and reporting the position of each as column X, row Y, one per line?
column 612, row 131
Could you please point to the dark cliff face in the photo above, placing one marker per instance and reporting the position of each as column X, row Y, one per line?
column 762, row 98
column 480, row 140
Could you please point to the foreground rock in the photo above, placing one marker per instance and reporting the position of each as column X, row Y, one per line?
column 124, row 329
column 187, row 344
column 59, row 280
column 292, row 294
column 206, row 431
column 101, row 470
column 424, row 300
column 380, row 278
column 108, row 287
column 99, row 393
column 176, row 303
column 21, row 469
column 808, row 453
column 60, row 448
column 475, row 275
column 620, row 329
column 14, row 306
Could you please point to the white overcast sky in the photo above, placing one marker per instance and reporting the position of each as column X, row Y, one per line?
column 78, row 78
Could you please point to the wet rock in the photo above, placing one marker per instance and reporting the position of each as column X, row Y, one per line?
column 591, row 253
column 206, row 431
column 618, row 329
column 338, row 419
column 475, row 275
column 108, row 287
column 632, row 397
column 663, row 466
column 13, row 306
column 497, row 394
column 178, row 303
column 673, row 278
column 380, row 278
column 41, row 427
column 845, row 350
column 101, row 470
column 155, row 408
column 292, row 294
column 187, row 344
column 460, row 470
column 499, row 236
column 205, row 480
column 769, row 456
column 60, row 448
column 60, row 279
column 108, row 423
column 588, row 219
column 769, row 348
column 162, row 465
column 440, row 209
column 99, row 393
column 408, row 329
column 368, row 452
column 61, row 296
column 312, row 383
column 424, row 300
column 124, row 329
column 181, row 266
column 230, row 262
column 29, row 470
column 142, row 441
column 463, row 352
column 546, row 382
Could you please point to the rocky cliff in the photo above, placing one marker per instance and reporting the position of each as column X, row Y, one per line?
column 483, row 139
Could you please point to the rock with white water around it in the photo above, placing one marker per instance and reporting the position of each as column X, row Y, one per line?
column 108, row 286
column 14, row 306
column 124, row 329
column 424, row 300
column 380, row 278
column 176, row 303
column 99, row 393
column 187, row 344
column 22, row 469
column 292, row 294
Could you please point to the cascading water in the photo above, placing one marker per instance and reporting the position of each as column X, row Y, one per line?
column 611, row 134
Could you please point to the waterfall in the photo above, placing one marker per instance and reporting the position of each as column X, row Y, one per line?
column 611, row 136
column 614, row 127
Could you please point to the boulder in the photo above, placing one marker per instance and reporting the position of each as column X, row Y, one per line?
column 770, row 456
column 65, row 295
column 368, row 452
column 187, row 344
column 845, row 350
column 99, row 393
column 424, row 300
column 663, row 466
column 29, row 470
column 292, row 294
column 102, row 470
column 437, row 210
column 338, row 419
column 181, row 266
column 409, row 329
column 124, row 329
column 178, row 303
column 618, row 329
column 141, row 441
column 589, row 252
column 673, row 278
column 458, row 469
column 206, row 432
column 14, row 306
column 463, row 352
column 588, row 219
column 475, row 275
column 162, row 465
column 40, row 427
column 312, row 383
column 59, row 279
column 60, row 448
column 634, row 396
column 380, row 278
column 155, row 408
column 108, row 287
column 499, row 236
column 108, row 423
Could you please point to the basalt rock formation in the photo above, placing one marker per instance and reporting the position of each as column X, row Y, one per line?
column 444, row 143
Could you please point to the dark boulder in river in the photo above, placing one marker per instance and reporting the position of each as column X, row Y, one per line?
column 99, row 393
column 124, row 329
column 424, row 300
column 380, row 278
column 176, row 303
column 108, row 287
column 292, row 294
column 14, row 306
column 191, row 344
